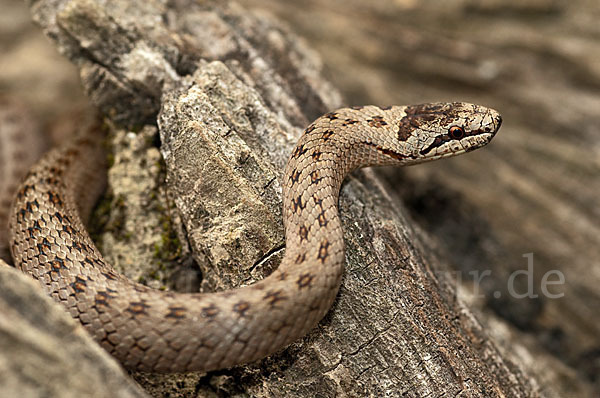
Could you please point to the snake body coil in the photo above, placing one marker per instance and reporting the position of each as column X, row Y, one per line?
column 161, row 331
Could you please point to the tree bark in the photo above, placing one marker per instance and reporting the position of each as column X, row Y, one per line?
column 529, row 200
column 45, row 353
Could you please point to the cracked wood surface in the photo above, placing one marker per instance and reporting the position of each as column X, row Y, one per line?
column 537, row 62
column 46, row 353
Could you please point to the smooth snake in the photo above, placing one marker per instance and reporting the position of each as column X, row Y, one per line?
column 158, row 331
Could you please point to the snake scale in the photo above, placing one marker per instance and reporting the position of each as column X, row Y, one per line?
column 160, row 331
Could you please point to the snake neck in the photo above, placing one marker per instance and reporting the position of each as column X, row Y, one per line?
column 313, row 178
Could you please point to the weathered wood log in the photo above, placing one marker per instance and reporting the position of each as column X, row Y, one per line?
column 533, row 190
column 45, row 353
column 242, row 87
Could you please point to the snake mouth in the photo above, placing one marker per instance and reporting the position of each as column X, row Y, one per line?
column 486, row 138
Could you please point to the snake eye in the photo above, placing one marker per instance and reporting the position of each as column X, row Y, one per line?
column 456, row 132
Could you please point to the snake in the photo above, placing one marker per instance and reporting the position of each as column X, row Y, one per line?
column 162, row 331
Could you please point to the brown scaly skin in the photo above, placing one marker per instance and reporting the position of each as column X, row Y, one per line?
column 160, row 331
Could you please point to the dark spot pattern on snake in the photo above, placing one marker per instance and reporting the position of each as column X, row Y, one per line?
column 176, row 312
column 305, row 280
column 323, row 251
column 273, row 297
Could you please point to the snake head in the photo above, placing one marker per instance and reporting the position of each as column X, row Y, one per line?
column 436, row 130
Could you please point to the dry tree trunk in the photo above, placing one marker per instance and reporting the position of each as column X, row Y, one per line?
column 529, row 201
column 45, row 353
column 229, row 92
